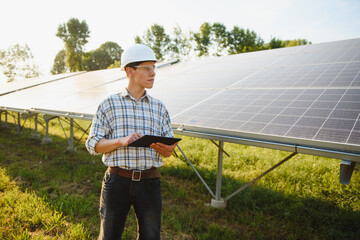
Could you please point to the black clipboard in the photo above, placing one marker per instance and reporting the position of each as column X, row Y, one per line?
column 147, row 140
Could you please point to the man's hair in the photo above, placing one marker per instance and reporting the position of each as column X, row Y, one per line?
column 133, row 64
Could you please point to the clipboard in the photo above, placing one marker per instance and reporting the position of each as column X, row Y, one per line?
column 147, row 140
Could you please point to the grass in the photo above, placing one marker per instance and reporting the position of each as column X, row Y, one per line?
column 46, row 193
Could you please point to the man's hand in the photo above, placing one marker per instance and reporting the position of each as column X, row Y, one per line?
column 129, row 139
column 109, row 145
column 163, row 149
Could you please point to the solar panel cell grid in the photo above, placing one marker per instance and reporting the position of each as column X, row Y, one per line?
column 275, row 129
column 354, row 138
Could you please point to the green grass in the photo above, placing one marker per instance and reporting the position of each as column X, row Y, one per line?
column 46, row 193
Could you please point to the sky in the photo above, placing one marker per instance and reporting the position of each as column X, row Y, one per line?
column 35, row 22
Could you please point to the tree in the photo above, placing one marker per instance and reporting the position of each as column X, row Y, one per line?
column 74, row 34
column 112, row 52
column 295, row 42
column 157, row 39
column 59, row 63
column 241, row 40
column 102, row 57
column 202, row 40
column 17, row 62
column 180, row 46
column 116, row 64
column 220, row 38
column 275, row 43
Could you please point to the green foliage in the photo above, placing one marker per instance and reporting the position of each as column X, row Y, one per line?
column 156, row 38
column 17, row 62
column 209, row 40
column 59, row 63
column 220, row 38
column 24, row 215
column 180, row 45
column 275, row 43
column 295, row 42
column 74, row 34
column 102, row 57
column 116, row 64
column 203, row 40
column 241, row 40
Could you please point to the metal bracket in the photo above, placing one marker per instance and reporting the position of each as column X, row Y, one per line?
column 260, row 176
column 197, row 173
column 346, row 170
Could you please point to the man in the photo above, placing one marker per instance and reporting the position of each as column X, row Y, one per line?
column 132, row 177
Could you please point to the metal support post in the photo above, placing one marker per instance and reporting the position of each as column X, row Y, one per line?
column 71, row 147
column 18, row 125
column 6, row 119
column 219, row 202
column 36, row 135
column 47, row 139
column 346, row 170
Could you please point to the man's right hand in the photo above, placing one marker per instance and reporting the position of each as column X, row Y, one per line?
column 109, row 145
column 129, row 139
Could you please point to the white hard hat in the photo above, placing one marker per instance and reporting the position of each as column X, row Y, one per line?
column 137, row 53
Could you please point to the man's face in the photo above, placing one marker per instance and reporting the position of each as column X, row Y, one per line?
column 144, row 74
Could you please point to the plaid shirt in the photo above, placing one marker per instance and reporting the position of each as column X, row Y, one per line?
column 121, row 115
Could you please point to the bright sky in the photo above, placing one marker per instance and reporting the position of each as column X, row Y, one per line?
column 35, row 22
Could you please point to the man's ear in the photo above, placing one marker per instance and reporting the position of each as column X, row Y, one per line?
column 128, row 71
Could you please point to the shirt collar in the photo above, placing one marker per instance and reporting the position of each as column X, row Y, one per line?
column 125, row 93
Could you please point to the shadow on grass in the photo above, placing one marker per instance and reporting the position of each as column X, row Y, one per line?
column 273, row 214
column 71, row 184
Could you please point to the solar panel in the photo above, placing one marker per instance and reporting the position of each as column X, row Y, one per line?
column 305, row 97
column 6, row 88
column 71, row 94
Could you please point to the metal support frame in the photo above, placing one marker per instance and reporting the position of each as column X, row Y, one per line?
column 35, row 135
column 47, row 118
column 261, row 175
column 197, row 173
column 70, row 140
column 217, row 201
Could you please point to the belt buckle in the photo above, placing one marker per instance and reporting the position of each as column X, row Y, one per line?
column 132, row 177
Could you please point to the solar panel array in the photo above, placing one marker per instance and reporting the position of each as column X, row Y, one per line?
column 307, row 93
column 303, row 96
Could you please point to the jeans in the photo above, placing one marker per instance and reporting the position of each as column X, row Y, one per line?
column 117, row 196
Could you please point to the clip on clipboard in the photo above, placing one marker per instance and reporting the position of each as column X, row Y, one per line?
column 147, row 140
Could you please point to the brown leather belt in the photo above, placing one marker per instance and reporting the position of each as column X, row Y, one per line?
column 134, row 174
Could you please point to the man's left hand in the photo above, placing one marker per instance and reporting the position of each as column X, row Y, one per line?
column 163, row 149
